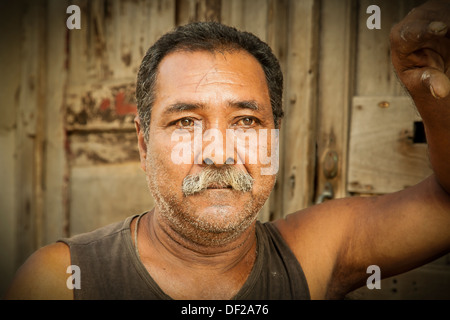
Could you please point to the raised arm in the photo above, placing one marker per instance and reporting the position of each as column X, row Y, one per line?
column 420, row 47
column 335, row 242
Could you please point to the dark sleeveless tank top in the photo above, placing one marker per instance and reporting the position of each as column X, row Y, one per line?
column 111, row 269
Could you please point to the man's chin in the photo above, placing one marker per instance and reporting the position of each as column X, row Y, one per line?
column 211, row 217
column 220, row 218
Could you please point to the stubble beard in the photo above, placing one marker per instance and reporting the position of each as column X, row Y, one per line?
column 175, row 215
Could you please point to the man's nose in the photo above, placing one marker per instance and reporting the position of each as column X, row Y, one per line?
column 217, row 148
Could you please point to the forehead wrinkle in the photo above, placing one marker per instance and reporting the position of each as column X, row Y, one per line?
column 224, row 78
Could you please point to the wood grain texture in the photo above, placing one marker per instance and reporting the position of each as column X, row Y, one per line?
column 382, row 155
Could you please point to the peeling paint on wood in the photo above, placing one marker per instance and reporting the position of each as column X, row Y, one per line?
column 101, row 107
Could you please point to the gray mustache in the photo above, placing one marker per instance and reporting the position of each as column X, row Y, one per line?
column 222, row 177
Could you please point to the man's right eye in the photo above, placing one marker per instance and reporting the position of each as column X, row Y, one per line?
column 185, row 122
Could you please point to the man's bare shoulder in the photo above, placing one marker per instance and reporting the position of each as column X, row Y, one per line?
column 43, row 275
column 315, row 236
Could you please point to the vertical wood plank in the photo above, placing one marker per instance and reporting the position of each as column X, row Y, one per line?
column 56, row 167
column 197, row 10
column 185, row 11
column 162, row 15
column 39, row 139
column 29, row 130
column 277, row 39
column 335, row 89
column 248, row 15
column 11, row 20
column 232, row 13
column 376, row 75
column 300, row 102
column 120, row 37
column 78, row 48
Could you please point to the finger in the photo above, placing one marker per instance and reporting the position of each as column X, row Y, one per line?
column 438, row 28
column 436, row 82
column 411, row 36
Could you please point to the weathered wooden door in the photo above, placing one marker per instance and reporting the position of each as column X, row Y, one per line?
column 106, row 183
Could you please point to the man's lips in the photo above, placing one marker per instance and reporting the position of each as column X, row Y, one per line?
column 216, row 186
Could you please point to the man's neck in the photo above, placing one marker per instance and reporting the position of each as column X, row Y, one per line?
column 170, row 257
column 162, row 236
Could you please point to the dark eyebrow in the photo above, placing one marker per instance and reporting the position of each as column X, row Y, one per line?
column 252, row 105
column 186, row 106
column 180, row 107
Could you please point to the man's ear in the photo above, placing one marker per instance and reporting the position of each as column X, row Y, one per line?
column 142, row 145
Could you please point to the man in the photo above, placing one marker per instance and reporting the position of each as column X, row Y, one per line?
column 202, row 240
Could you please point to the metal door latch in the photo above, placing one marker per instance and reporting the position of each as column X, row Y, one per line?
column 330, row 170
column 327, row 193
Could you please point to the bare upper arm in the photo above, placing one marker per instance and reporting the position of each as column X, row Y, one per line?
column 335, row 242
column 315, row 235
column 43, row 275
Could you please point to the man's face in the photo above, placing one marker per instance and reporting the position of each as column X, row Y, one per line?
column 202, row 100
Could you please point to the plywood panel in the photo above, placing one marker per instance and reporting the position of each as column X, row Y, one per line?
column 382, row 155
column 104, row 194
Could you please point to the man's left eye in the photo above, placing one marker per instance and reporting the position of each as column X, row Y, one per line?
column 185, row 122
column 247, row 121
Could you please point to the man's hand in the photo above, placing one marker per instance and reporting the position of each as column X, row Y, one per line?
column 420, row 48
column 421, row 51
